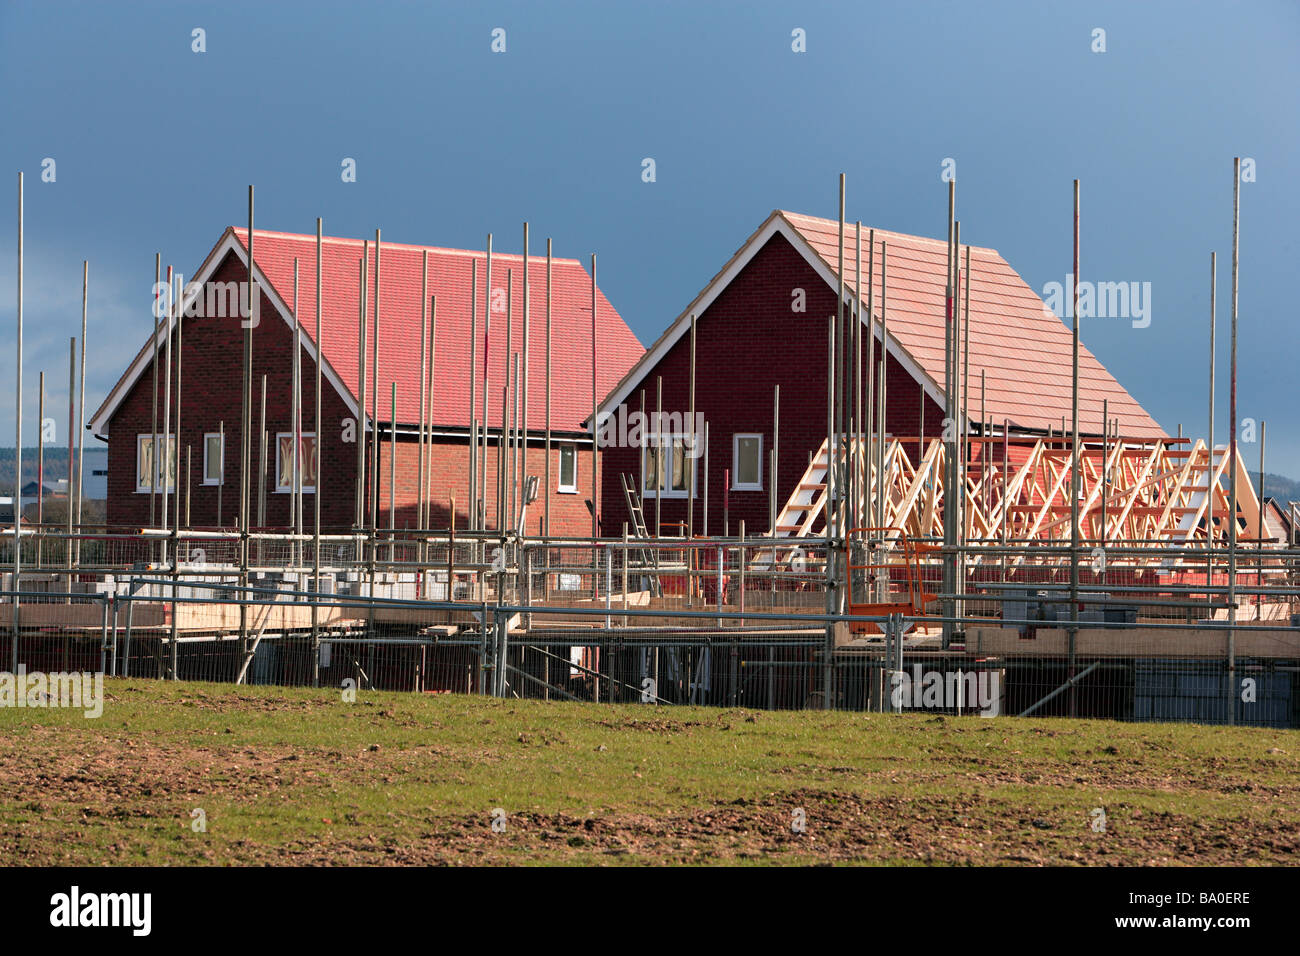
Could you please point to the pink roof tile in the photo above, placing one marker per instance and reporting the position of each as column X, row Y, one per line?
column 1022, row 348
column 449, row 280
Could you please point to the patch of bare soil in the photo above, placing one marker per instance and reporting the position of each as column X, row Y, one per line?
column 837, row 828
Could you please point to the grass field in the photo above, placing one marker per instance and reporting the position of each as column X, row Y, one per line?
column 302, row 777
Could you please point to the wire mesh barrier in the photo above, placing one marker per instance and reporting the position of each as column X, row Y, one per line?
column 1137, row 633
column 772, row 669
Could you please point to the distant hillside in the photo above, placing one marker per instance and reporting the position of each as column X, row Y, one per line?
column 56, row 463
column 1277, row 486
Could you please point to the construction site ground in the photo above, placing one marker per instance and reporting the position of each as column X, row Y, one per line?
column 301, row 776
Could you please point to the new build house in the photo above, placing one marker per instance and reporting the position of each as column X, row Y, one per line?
column 205, row 453
column 762, row 322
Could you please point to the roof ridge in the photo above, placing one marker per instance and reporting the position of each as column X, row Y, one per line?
column 941, row 243
column 242, row 231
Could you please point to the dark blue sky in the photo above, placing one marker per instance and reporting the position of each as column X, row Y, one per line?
column 155, row 146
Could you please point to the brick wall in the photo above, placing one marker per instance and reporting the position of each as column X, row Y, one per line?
column 449, row 459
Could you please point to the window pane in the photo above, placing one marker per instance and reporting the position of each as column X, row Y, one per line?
column 568, row 478
column 747, row 461
column 308, row 461
column 680, row 463
column 144, row 471
column 284, row 461
column 212, row 463
column 653, row 473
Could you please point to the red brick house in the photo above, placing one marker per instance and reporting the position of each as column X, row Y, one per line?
column 762, row 322
column 212, row 361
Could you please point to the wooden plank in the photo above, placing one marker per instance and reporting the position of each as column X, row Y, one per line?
column 1280, row 643
column 70, row 615
column 281, row 615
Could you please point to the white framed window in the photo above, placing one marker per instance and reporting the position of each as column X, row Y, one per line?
column 148, row 473
column 284, row 462
column 667, row 463
column 746, row 462
column 568, row 469
column 214, row 459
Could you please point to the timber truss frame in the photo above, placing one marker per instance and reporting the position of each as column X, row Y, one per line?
column 1131, row 493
